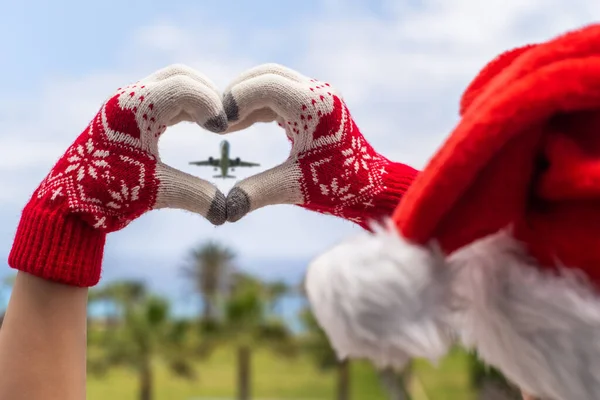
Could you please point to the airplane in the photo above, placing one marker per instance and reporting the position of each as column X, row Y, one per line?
column 224, row 163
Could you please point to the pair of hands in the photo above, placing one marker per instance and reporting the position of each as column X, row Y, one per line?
column 113, row 174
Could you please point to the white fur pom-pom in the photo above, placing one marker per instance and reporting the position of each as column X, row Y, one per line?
column 382, row 298
column 539, row 326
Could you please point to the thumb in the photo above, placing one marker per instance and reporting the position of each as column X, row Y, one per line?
column 278, row 185
column 186, row 192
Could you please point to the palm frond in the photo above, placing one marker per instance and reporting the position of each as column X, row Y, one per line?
column 208, row 268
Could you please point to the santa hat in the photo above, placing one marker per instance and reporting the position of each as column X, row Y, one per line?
column 497, row 242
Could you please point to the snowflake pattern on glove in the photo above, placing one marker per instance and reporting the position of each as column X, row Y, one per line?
column 112, row 173
column 341, row 173
column 107, row 175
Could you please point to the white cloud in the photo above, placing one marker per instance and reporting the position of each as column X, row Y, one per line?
column 402, row 73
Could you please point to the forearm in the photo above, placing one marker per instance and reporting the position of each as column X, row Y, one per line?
column 43, row 341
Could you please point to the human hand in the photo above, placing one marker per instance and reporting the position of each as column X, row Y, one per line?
column 331, row 168
column 112, row 174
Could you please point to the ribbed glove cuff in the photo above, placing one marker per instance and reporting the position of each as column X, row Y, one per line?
column 57, row 247
column 397, row 179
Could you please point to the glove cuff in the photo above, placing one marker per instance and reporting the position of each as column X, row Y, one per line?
column 397, row 178
column 59, row 247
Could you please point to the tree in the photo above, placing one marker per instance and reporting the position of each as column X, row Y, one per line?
column 124, row 293
column 145, row 333
column 276, row 291
column 248, row 325
column 396, row 383
column 317, row 344
column 208, row 267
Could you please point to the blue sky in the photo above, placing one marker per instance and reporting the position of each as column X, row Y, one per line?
column 401, row 66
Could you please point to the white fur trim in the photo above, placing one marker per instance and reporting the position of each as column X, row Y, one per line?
column 382, row 298
column 541, row 329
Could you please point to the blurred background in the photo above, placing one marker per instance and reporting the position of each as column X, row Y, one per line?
column 187, row 311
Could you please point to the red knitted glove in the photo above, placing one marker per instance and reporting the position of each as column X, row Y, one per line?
column 112, row 174
column 331, row 169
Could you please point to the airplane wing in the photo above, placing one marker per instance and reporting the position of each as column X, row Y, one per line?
column 239, row 163
column 210, row 162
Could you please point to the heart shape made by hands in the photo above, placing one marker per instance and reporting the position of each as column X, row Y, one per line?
column 113, row 173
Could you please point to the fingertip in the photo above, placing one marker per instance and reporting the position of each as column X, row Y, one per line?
column 232, row 110
column 217, row 124
column 238, row 204
column 217, row 212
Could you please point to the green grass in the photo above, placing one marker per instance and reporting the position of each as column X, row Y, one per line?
column 273, row 378
column 280, row 378
column 448, row 381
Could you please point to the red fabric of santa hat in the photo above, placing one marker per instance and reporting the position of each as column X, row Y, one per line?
column 497, row 242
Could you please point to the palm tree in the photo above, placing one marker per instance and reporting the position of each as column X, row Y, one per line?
column 276, row 291
column 248, row 326
column 125, row 293
column 144, row 334
column 396, row 383
column 208, row 267
column 317, row 344
column 121, row 295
